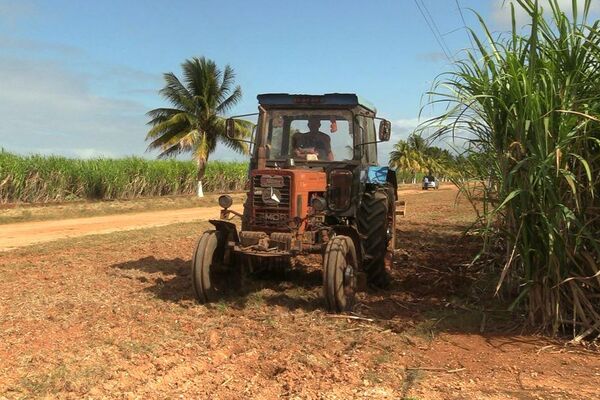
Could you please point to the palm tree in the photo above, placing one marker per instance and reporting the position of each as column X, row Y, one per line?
column 417, row 143
column 406, row 158
column 195, row 123
column 438, row 161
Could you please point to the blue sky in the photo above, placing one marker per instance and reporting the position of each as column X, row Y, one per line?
column 76, row 77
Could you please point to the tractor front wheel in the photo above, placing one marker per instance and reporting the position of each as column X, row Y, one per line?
column 211, row 272
column 339, row 274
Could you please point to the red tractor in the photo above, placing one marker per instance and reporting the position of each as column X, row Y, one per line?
column 309, row 192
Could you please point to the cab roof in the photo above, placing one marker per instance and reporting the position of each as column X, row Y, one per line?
column 317, row 101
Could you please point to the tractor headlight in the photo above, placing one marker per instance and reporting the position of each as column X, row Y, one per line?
column 319, row 204
column 225, row 201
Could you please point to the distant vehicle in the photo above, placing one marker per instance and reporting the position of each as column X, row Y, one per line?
column 429, row 182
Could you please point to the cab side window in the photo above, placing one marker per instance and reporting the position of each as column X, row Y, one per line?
column 367, row 126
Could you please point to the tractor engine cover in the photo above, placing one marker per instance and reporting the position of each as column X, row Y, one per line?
column 279, row 197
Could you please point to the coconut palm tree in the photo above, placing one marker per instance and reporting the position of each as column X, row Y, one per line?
column 405, row 158
column 195, row 123
column 417, row 143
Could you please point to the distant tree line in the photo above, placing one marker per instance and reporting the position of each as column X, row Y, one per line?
column 415, row 157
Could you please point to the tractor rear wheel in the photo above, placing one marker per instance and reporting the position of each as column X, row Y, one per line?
column 339, row 274
column 373, row 226
column 211, row 272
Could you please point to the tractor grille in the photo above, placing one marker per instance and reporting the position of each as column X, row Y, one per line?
column 273, row 216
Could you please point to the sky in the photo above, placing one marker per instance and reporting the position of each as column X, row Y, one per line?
column 77, row 77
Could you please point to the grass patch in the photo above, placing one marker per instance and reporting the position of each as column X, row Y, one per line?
column 135, row 347
column 300, row 293
column 372, row 376
column 383, row 358
column 221, row 306
column 411, row 378
column 43, row 384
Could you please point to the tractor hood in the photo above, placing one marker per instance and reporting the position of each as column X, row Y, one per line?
column 279, row 195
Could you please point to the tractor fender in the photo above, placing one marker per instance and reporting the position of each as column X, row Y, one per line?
column 353, row 234
column 226, row 228
column 392, row 180
column 382, row 177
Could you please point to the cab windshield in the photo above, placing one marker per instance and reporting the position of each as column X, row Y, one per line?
column 310, row 135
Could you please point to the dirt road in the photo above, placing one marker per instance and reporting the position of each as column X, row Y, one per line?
column 27, row 233
column 21, row 234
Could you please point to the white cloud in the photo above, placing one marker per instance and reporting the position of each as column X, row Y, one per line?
column 89, row 153
column 99, row 110
column 501, row 13
column 37, row 47
column 43, row 105
column 401, row 128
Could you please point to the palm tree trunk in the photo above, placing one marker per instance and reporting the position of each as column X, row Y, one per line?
column 201, row 171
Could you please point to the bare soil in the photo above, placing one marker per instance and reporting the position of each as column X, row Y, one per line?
column 113, row 316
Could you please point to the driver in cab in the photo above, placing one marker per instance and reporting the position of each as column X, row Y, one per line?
column 312, row 145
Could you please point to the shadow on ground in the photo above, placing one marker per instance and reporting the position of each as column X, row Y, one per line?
column 171, row 281
column 434, row 286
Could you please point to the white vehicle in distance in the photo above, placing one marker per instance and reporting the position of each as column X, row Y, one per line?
column 429, row 182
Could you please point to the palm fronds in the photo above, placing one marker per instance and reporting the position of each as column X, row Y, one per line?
column 415, row 158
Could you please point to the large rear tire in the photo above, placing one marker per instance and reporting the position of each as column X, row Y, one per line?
column 211, row 275
column 373, row 226
column 339, row 274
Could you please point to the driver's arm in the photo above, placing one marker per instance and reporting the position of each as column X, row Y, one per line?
column 295, row 147
column 327, row 143
column 297, row 151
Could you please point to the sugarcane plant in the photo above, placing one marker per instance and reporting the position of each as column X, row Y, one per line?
column 528, row 103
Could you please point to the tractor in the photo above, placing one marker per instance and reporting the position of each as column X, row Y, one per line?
column 309, row 192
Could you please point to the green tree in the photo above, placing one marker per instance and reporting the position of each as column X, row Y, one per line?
column 195, row 123
column 440, row 162
column 415, row 156
column 406, row 158
column 417, row 143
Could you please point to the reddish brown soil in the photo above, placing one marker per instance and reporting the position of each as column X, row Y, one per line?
column 113, row 316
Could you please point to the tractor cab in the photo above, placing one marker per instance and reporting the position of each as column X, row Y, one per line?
column 315, row 131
